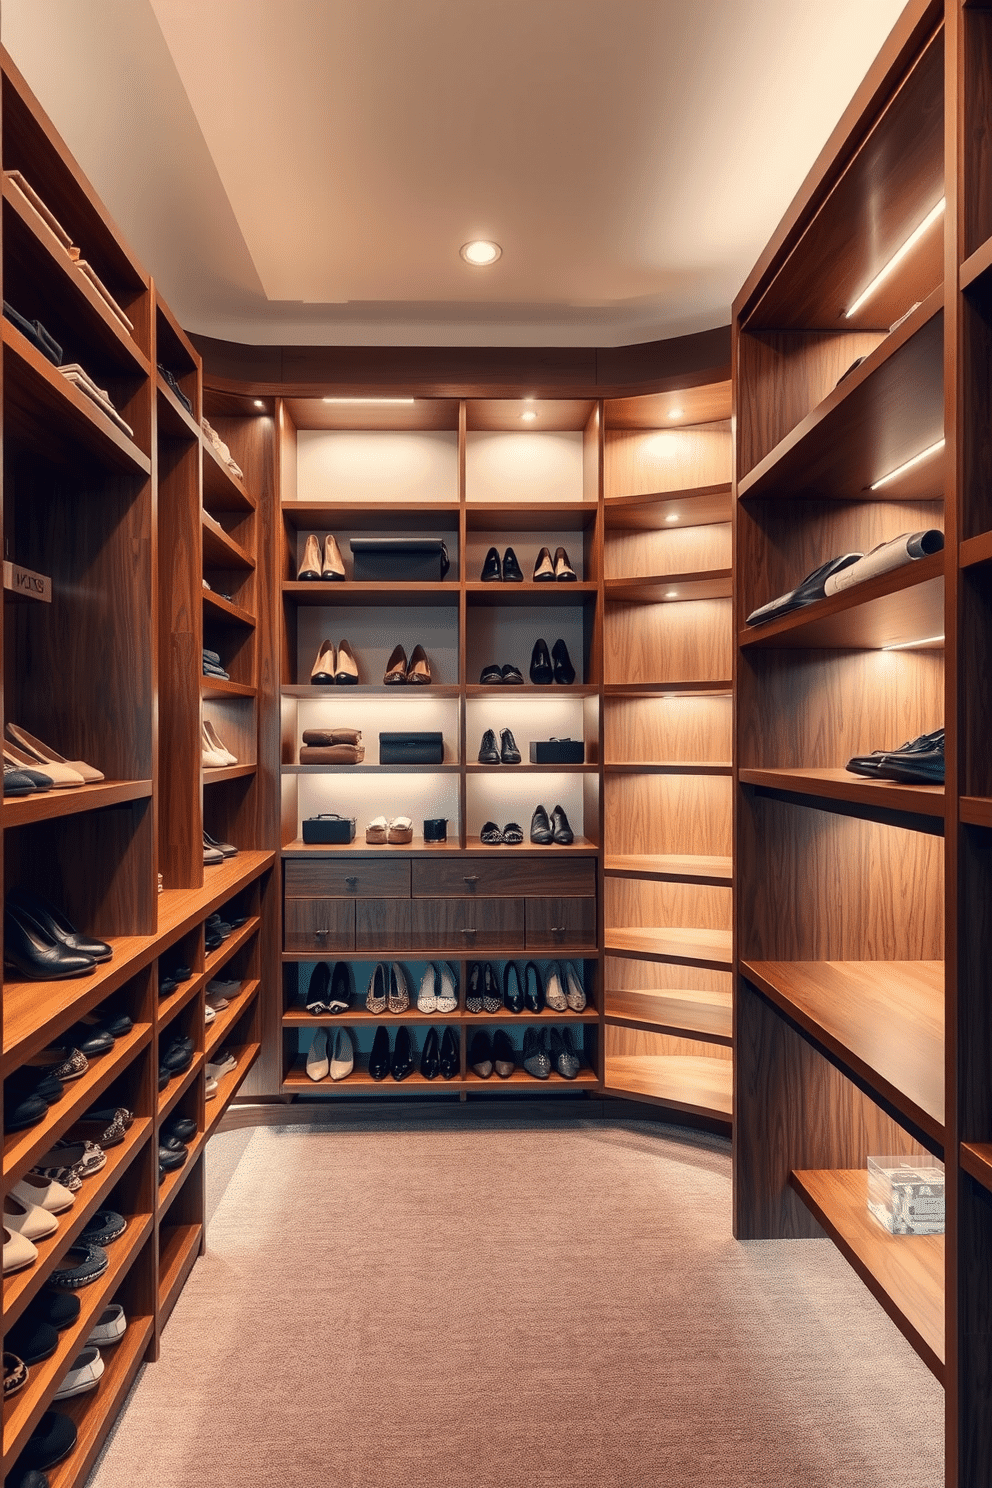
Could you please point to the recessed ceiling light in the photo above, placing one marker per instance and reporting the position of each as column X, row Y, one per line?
column 259, row 403
column 672, row 517
column 676, row 412
column 530, row 415
column 479, row 253
column 368, row 400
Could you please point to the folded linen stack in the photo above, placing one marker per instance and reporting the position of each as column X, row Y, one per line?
column 336, row 746
column 81, row 379
column 212, row 666
column 35, row 332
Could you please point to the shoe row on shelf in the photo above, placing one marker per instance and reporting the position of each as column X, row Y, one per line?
column 545, row 831
column 30, row 766
column 344, row 746
column 339, row 668
column 546, row 667
column 325, row 563
column 31, row 1090
column 332, row 1054
column 920, row 762
column 519, row 989
column 215, row 851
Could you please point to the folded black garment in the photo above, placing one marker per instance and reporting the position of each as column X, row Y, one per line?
column 806, row 593
column 172, row 382
column 36, row 334
column 920, row 762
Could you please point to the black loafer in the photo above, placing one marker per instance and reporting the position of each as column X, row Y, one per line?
column 89, row 1039
column 449, row 1061
column 18, row 1115
column 560, row 829
column 32, row 1338
column 540, row 828
column 512, row 676
column 178, row 1055
column 379, row 1057
column 50, row 1442
column 564, row 670
column 490, row 569
column 805, row 593
column 491, row 676
column 89, row 1262
column 542, row 673
column 513, row 834
column 920, row 762
column 170, row 1159
column 488, row 753
column 430, row 1059
column 116, row 1024
column 491, row 835
column 509, row 754
column 170, row 1142
column 511, row 568
column 58, row 1309
column 181, row 1127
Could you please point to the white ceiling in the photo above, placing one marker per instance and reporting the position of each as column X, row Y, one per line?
column 306, row 170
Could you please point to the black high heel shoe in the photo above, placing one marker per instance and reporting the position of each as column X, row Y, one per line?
column 57, row 925
column 340, row 998
column 491, row 1000
column 379, row 1057
column 402, row 1055
column 473, row 996
column 491, row 570
column 560, row 829
column 533, row 988
column 449, row 1060
column 564, row 671
column 542, row 673
column 513, row 997
column 33, row 951
column 430, row 1060
column 511, row 568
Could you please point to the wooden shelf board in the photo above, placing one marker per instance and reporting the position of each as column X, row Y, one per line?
column 417, row 848
column 883, row 1021
column 976, row 1159
column 679, row 946
column 238, row 937
column 227, row 1087
column 668, row 689
column 21, row 1149
column 20, row 1287
column 838, row 449
column 975, row 550
column 526, row 768
column 905, row 1273
column 56, row 417
column 219, row 549
column 178, row 1251
column 169, row 1006
column 19, row 811
column 682, row 1013
column 24, row 1410
column 347, row 516
column 349, row 593
column 297, row 1082
column 513, row 596
column 170, row 1096
column 226, row 772
column 224, row 612
column 530, row 689
column 173, row 1182
column 95, row 1412
column 898, row 607
column 580, row 845
column 695, row 507
column 216, row 687
column 975, row 264
column 300, row 1018
column 370, row 769
column 551, row 517
column 222, row 491
column 840, row 785
column 976, row 810
column 671, row 767
column 670, row 867
column 586, row 1079
column 672, row 588
column 217, row 1031
column 174, row 422
column 686, row 1082
column 365, row 689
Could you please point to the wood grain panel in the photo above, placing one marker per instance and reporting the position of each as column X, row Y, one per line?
column 464, row 925
column 792, row 1109
column 632, row 1042
column 975, row 660
column 973, row 1277
column 677, row 945
column 816, row 886
column 976, row 167
column 672, row 550
column 679, row 728
column 974, row 1005
column 901, row 609
column 688, row 642
column 681, row 1011
column 707, row 404
column 976, row 399
column 684, row 1082
column 674, row 867
column 513, row 877
column 319, row 925
column 641, row 461
column 560, row 923
column 668, row 814
column 347, row 878
column 627, row 975
column 696, row 507
column 631, row 903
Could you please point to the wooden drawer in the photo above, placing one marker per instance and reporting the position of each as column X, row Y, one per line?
column 320, row 925
column 460, row 925
column 348, row 878
column 561, row 924
column 496, row 876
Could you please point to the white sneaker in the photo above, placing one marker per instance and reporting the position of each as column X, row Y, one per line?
column 109, row 1327
column 427, row 997
column 318, row 1065
column 342, row 1060
column 84, row 1374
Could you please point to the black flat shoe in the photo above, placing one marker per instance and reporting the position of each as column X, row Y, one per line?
column 473, row 996
column 536, row 1060
column 511, row 568
column 560, row 829
column 34, row 952
column 513, row 835
column 491, row 676
column 540, row 828
column 491, row 835
column 491, row 1000
column 564, row 572
column 542, row 673
column 533, row 988
column 513, row 997
column 17, row 782
column 921, row 762
column 57, row 925
column 544, row 569
column 402, row 1055
column 504, row 1059
column 19, row 1114
column 181, row 1127
column 379, row 1057
column 480, row 1054
column 564, row 670
column 491, row 571
column 430, row 1060
column 509, row 754
column 89, row 1039
column 512, row 676
column 449, row 1061
column 488, row 753
column 805, row 593
column 340, row 998
column 170, row 1159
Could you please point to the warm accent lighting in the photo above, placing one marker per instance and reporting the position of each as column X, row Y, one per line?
column 530, row 415
column 932, row 449
column 259, row 403
column 896, row 259
column 672, row 594
column 368, row 400
column 674, row 413
column 480, row 253
column 905, row 645
column 672, row 517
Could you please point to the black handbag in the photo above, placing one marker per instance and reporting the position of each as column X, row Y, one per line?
column 411, row 749
column 328, row 827
column 408, row 559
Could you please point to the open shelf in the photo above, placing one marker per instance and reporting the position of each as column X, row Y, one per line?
column 220, row 611
column 173, row 1182
column 94, row 1412
column 687, row 1082
column 695, row 507
column 976, row 1159
column 670, row 767
column 679, row 946
column 882, row 1021
column 19, row 811
column 671, row 588
column 220, row 550
column 179, row 1248
column 346, row 516
column 348, row 592
column 222, row 491
column 217, row 687
column 173, row 419
column 707, row 1016
column 670, row 867
column 217, row 1031
column 896, row 609
column 715, row 688
column 905, row 1273
column 217, row 776
column 840, row 785
column 228, row 1085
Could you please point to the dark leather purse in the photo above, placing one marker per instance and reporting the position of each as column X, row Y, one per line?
column 328, row 827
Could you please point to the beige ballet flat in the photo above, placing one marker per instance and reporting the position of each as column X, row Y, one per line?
column 63, row 777
column 333, row 565
column 46, row 756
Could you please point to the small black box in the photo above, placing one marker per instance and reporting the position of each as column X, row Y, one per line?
column 405, row 559
column 557, row 752
column 328, row 827
column 411, row 748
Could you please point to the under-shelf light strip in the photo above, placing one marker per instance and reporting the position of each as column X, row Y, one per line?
column 369, row 400
column 884, row 480
column 907, row 645
column 896, row 259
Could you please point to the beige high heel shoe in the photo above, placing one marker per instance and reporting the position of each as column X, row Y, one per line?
column 310, row 567
column 322, row 674
column 346, row 671
column 61, row 776
column 46, row 756
column 217, row 744
column 333, row 565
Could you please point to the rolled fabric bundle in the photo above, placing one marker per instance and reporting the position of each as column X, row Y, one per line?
column 896, row 553
column 324, row 737
column 332, row 754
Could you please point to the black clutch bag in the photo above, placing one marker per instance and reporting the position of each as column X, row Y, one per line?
column 557, row 752
column 408, row 559
column 328, row 827
column 411, row 749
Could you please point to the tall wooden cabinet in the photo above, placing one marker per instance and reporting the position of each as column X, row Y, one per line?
column 862, row 1009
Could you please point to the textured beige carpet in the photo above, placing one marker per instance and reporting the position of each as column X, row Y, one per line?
column 472, row 1307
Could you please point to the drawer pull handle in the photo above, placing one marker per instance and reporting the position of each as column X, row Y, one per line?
column 471, row 877
column 470, row 931
column 557, row 929
column 321, row 933
column 352, row 879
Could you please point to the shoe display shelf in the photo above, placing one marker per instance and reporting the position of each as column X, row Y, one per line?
column 862, row 1021
column 667, row 671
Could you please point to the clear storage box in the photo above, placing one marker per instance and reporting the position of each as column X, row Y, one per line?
column 906, row 1194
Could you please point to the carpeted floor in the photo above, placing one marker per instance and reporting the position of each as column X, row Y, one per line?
column 473, row 1307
